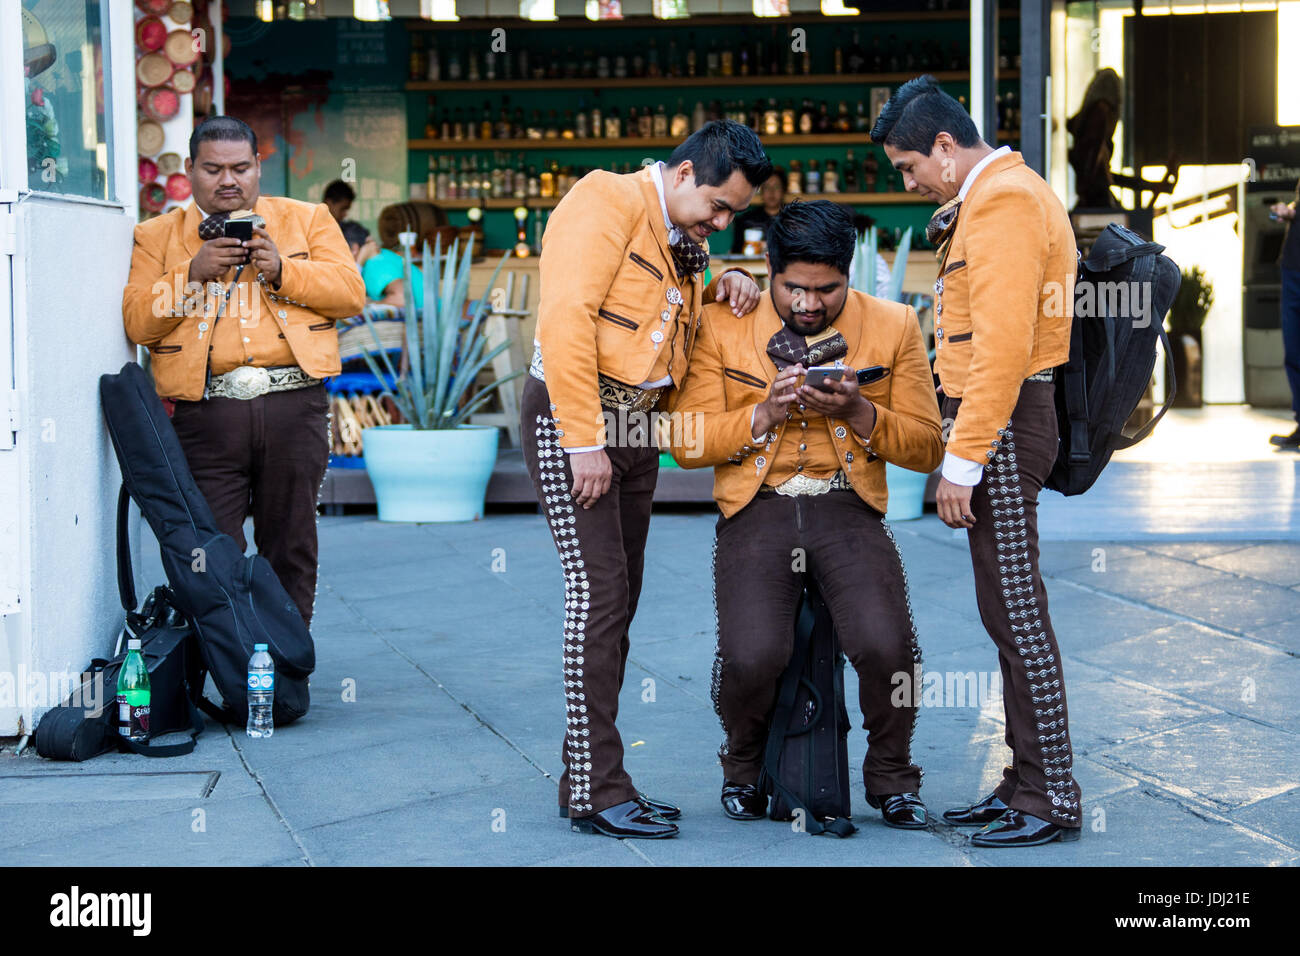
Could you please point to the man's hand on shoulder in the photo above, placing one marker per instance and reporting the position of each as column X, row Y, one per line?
column 739, row 290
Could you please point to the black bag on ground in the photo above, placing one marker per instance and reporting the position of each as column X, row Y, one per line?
column 1121, row 295
column 233, row 601
column 75, row 731
column 806, row 762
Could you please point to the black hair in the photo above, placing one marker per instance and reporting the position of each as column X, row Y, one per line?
column 354, row 233
column 820, row 231
column 339, row 190
column 223, row 128
column 718, row 148
column 918, row 112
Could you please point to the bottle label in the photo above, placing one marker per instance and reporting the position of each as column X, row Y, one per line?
column 133, row 718
column 261, row 682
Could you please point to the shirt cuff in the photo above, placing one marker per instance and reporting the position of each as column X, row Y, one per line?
column 961, row 471
column 573, row 451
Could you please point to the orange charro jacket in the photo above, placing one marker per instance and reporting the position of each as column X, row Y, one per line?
column 319, row 283
column 610, row 301
column 1005, row 300
column 731, row 373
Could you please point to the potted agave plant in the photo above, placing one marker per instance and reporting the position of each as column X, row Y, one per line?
column 436, row 466
column 1186, row 317
column 906, row 487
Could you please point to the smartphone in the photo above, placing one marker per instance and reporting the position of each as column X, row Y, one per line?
column 873, row 374
column 819, row 375
column 241, row 229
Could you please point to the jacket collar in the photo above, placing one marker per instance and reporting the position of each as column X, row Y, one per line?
column 998, row 165
column 654, row 215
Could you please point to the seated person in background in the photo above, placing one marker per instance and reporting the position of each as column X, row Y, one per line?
column 385, row 270
column 338, row 198
column 360, row 243
column 772, row 194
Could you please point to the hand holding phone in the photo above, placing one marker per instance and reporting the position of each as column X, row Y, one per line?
column 819, row 376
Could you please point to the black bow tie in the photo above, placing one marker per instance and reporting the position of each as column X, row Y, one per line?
column 788, row 347
column 941, row 225
column 213, row 227
column 689, row 257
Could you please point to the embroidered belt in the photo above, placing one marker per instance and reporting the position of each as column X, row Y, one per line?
column 1047, row 375
column 804, row 485
column 614, row 395
column 249, row 381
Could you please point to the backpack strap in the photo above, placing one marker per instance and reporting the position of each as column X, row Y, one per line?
column 168, row 750
column 1171, row 386
column 790, row 680
column 1074, row 386
column 125, row 576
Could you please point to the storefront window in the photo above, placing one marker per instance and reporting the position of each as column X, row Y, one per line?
column 66, row 103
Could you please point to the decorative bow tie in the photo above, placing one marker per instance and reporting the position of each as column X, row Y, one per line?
column 689, row 257
column 941, row 225
column 788, row 347
column 213, row 226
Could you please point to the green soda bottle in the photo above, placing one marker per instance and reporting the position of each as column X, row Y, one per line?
column 133, row 695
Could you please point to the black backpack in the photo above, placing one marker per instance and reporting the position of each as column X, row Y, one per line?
column 232, row 601
column 806, row 762
column 72, row 731
column 1123, row 291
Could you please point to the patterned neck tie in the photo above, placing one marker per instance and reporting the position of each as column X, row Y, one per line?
column 939, row 230
column 788, row 347
column 213, row 226
column 689, row 257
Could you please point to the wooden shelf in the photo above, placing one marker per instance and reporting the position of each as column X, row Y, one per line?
column 626, row 142
column 539, row 202
column 742, row 19
column 653, row 82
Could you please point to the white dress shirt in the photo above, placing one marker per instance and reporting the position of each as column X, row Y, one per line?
column 962, row 471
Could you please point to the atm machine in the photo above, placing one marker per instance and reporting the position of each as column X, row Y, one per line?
column 1275, row 153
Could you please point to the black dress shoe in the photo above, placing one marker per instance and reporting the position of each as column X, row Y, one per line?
column 629, row 820
column 903, row 811
column 742, row 801
column 1286, row 441
column 977, row 814
column 1017, row 828
column 665, row 810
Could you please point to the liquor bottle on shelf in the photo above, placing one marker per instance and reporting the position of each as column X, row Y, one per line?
column 806, row 117
column 787, row 119
column 743, row 66
column 813, row 181
column 727, row 62
column 788, row 69
column 839, row 59
column 534, row 128
column 691, row 62
column 502, row 128
column 855, row 61
column 489, row 65
column 506, row 65
column 620, row 66
column 444, row 125
column 521, row 179
column 877, row 61
column 861, row 121
column 603, row 66
column 1004, row 53
column 431, row 121
column 698, row 116
column 458, row 124
column 645, row 122
column 680, row 127
column 674, row 59
column 453, row 65
column 613, row 124
column 433, row 66
column 822, row 123
column 444, row 180
column 571, row 65
column 870, row 171
column 525, row 70
column 660, row 122
column 416, row 67
column 518, row 128
column 794, row 178
column 597, row 124
column 805, row 65
column 431, row 184
column 552, row 128
column 472, row 73
column 843, row 121
column 580, row 121
column 653, row 68
column 771, row 118
column 485, row 125
column 831, row 178
column 760, row 64
column 850, row 173
column 534, row 188
column 547, row 184
column 637, row 65
column 755, row 119
column 570, row 128
column 713, row 60
column 554, row 66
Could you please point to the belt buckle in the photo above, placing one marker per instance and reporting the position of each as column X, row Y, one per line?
column 247, row 382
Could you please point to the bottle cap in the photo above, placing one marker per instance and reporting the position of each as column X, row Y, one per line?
column 259, row 647
column 133, row 644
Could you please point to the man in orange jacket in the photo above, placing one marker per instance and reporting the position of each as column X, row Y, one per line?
column 241, row 333
column 622, row 287
column 1007, row 257
column 799, row 475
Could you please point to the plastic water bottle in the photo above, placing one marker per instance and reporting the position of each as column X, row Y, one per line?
column 261, row 692
column 133, row 695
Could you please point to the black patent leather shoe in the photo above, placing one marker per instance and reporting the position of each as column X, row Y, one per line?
column 742, row 801
column 977, row 814
column 1291, row 441
column 903, row 811
column 629, row 820
column 665, row 810
column 1017, row 828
